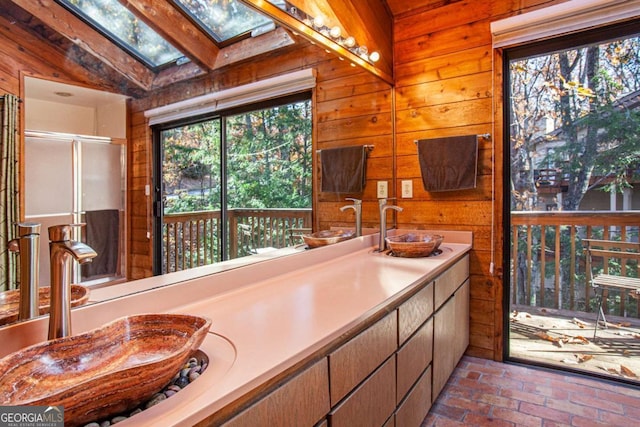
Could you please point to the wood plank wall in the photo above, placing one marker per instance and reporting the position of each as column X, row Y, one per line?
column 445, row 85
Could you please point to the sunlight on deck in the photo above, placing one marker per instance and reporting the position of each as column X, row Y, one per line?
column 565, row 339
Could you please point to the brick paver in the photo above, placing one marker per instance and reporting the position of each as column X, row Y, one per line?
column 483, row 392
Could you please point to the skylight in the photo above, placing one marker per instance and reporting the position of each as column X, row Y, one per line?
column 115, row 21
column 223, row 19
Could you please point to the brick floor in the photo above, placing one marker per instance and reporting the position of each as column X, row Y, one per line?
column 487, row 393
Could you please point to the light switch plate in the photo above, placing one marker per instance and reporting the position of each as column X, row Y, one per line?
column 383, row 191
column 407, row 189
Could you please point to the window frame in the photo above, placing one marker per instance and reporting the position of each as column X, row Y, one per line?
column 157, row 156
column 574, row 40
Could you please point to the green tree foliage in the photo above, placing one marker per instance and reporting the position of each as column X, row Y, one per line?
column 268, row 157
column 269, row 162
column 589, row 96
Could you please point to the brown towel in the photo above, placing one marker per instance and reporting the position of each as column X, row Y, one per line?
column 344, row 169
column 103, row 230
column 448, row 163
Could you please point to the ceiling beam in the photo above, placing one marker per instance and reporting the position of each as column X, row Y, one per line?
column 249, row 48
column 64, row 22
column 173, row 26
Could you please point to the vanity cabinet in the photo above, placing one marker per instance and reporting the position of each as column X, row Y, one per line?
column 450, row 323
column 388, row 374
column 303, row 400
column 371, row 403
column 351, row 363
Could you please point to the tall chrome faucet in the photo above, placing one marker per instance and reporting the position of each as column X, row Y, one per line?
column 62, row 250
column 382, row 204
column 357, row 207
column 27, row 244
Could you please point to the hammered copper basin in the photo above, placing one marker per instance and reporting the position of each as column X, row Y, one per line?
column 10, row 301
column 105, row 371
column 414, row 245
column 327, row 237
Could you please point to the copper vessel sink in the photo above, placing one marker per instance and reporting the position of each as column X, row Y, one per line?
column 327, row 237
column 414, row 245
column 105, row 371
column 10, row 301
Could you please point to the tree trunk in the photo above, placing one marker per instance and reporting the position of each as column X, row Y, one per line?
column 583, row 159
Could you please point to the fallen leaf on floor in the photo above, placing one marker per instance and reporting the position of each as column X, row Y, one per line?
column 580, row 323
column 627, row 372
column 578, row 340
column 584, row 357
column 557, row 341
column 578, row 358
column 615, row 325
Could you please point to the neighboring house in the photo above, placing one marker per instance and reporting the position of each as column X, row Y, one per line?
column 551, row 183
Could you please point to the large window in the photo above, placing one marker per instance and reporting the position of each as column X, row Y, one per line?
column 573, row 127
column 232, row 184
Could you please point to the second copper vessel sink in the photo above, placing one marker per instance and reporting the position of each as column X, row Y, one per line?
column 10, row 301
column 414, row 245
column 327, row 237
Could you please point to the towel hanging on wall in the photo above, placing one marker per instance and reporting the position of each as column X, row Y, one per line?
column 449, row 163
column 103, row 230
column 344, row 169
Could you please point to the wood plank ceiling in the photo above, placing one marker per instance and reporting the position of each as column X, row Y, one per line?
column 365, row 19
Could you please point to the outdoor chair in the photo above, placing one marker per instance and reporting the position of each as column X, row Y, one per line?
column 619, row 270
column 249, row 240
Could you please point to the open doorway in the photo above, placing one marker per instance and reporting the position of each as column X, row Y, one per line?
column 573, row 126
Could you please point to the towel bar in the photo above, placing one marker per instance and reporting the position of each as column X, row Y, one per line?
column 367, row 147
column 481, row 135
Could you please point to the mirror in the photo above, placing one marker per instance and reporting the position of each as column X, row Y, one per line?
column 371, row 115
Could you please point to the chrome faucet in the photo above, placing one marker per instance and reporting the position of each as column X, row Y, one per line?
column 357, row 207
column 382, row 204
column 27, row 244
column 62, row 249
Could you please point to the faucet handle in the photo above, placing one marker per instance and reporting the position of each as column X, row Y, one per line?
column 355, row 201
column 62, row 232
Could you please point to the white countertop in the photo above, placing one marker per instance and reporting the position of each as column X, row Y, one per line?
column 269, row 316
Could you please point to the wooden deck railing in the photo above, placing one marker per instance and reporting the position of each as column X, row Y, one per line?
column 548, row 266
column 193, row 239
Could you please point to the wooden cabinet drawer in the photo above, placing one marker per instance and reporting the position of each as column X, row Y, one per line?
column 372, row 403
column 303, row 400
column 356, row 359
column 415, row 407
column 413, row 312
column 462, row 320
column 413, row 358
column 447, row 283
column 444, row 339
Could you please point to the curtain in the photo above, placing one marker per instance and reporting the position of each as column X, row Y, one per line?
column 9, row 187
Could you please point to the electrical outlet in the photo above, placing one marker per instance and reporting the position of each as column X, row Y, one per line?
column 407, row 189
column 382, row 190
